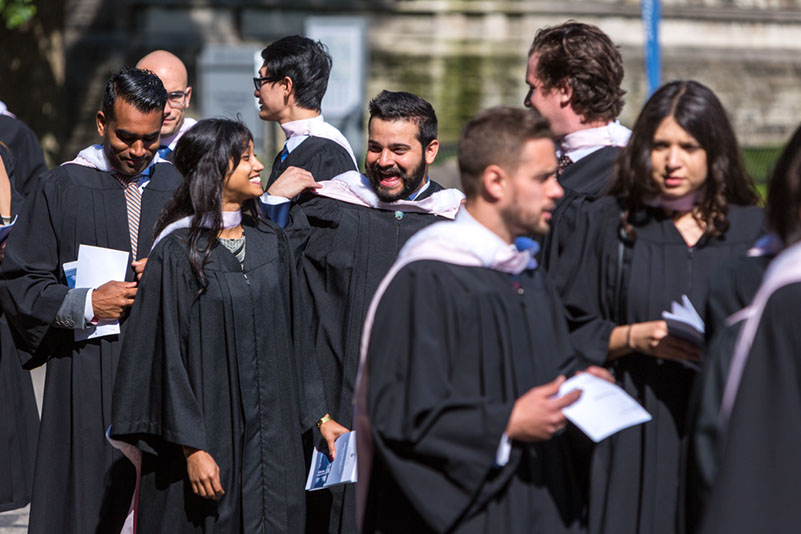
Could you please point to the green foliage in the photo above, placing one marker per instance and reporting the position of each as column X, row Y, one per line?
column 15, row 13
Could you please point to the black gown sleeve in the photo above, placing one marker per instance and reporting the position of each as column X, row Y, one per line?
column 429, row 431
column 585, row 277
column 32, row 281
column 154, row 400
column 756, row 489
column 306, row 364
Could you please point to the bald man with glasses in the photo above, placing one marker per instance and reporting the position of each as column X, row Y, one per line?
column 172, row 72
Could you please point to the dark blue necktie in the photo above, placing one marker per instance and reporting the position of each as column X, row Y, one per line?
column 164, row 151
column 284, row 153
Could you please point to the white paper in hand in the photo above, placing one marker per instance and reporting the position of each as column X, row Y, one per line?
column 603, row 408
column 96, row 266
column 684, row 322
column 324, row 473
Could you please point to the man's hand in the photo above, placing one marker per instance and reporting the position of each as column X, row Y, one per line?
column 204, row 474
column 110, row 300
column 652, row 338
column 293, row 182
column 139, row 267
column 537, row 414
column 331, row 430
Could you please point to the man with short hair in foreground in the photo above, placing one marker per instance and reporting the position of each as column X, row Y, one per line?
column 465, row 348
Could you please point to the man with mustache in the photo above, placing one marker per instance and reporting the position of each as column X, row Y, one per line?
column 347, row 234
column 108, row 196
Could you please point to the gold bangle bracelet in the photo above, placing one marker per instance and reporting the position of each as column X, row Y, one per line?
column 323, row 420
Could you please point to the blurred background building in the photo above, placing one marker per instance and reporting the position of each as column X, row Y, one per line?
column 461, row 55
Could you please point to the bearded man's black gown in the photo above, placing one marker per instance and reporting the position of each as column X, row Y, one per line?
column 344, row 251
column 451, row 349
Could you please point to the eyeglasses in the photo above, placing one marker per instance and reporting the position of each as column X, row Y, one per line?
column 177, row 98
column 258, row 82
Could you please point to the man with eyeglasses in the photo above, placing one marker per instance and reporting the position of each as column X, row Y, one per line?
column 172, row 72
column 290, row 89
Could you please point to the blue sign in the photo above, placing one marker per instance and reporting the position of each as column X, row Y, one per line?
column 651, row 16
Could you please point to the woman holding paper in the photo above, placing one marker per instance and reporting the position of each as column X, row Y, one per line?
column 215, row 383
column 682, row 206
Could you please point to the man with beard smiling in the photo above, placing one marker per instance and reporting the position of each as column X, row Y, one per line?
column 347, row 233
column 109, row 196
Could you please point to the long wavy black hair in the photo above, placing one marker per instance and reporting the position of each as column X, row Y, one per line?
column 696, row 109
column 206, row 155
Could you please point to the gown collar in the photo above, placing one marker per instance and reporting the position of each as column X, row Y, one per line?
column 355, row 188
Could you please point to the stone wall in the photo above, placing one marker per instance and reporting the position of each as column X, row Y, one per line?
column 462, row 55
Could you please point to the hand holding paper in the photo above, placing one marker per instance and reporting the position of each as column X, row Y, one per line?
column 95, row 267
column 603, row 408
column 110, row 300
column 684, row 322
column 325, row 473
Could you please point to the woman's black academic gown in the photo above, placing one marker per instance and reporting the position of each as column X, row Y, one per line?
column 635, row 474
column 225, row 372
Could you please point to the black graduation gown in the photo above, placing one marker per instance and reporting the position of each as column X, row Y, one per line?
column 322, row 157
column 634, row 481
column 81, row 484
column 26, row 151
column 756, row 489
column 583, row 181
column 19, row 417
column 345, row 250
column 451, row 349
column 730, row 291
column 219, row 372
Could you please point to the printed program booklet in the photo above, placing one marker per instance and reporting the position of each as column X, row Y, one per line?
column 325, row 473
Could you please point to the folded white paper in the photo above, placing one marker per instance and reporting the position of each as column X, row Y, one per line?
column 324, row 473
column 684, row 322
column 96, row 266
column 603, row 408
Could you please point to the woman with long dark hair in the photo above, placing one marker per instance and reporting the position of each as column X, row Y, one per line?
column 731, row 292
column 215, row 383
column 682, row 207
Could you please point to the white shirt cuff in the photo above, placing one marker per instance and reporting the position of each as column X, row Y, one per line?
column 273, row 200
column 88, row 310
column 503, row 452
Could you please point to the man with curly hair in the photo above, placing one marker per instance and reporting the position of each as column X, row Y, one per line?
column 574, row 75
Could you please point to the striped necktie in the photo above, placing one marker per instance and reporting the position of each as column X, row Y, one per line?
column 133, row 201
column 284, row 153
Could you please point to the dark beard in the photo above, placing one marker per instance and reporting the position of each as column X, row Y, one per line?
column 410, row 182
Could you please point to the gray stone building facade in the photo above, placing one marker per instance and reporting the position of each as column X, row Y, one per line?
column 461, row 55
